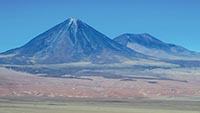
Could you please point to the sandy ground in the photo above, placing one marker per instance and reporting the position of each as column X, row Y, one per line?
column 14, row 83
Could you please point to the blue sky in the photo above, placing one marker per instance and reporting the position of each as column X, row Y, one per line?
column 172, row 21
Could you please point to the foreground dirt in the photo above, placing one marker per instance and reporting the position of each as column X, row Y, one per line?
column 22, row 84
column 91, row 105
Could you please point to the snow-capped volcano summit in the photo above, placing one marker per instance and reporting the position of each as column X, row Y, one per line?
column 69, row 41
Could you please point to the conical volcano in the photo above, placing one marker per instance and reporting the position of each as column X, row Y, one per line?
column 69, row 41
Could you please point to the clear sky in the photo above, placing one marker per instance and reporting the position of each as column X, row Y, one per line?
column 172, row 21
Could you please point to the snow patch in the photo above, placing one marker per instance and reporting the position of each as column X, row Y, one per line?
column 7, row 56
column 73, row 21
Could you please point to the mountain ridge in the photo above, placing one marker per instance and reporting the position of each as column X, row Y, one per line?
column 75, row 41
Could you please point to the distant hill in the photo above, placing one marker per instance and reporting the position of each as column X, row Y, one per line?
column 149, row 45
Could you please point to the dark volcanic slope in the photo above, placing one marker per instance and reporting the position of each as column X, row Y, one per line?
column 69, row 41
column 149, row 45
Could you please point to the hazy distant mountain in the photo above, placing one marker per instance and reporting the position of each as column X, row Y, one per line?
column 69, row 41
column 149, row 45
column 75, row 49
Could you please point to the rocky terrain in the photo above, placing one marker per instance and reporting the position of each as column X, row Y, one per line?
column 14, row 83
